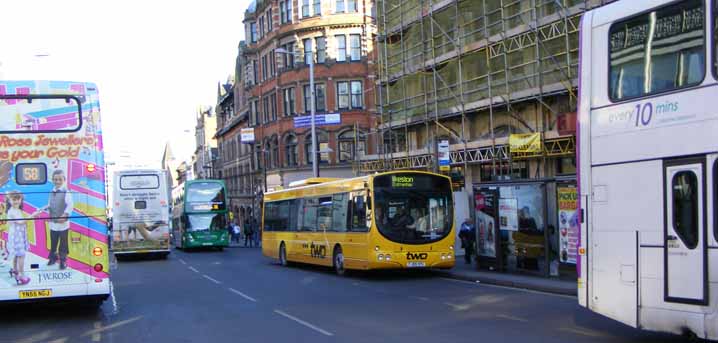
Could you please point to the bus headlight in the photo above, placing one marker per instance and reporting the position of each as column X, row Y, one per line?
column 381, row 257
column 443, row 256
column 451, row 247
column 376, row 248
column 388, row 257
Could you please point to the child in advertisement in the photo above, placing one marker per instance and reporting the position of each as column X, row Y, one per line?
column 4, row 253
column 18, row 236
column 60, row 207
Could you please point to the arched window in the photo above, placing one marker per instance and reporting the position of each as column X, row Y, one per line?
column 267, row 155
column 323, row 145
column 290, row 150
column 351, row 146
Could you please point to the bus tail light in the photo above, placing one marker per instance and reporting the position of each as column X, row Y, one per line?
column 97, row 251
column 98, row 267
column 90, row 168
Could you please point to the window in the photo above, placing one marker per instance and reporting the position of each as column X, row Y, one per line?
column 255, row 72
column 350, row 146
column 289, row 102
column 257, row 156
column 352, row 6
column 357, row 212
column 321, row 49
column 261, row 27
column 324, row 214
column 273, row 105
column 672, row 57
column 343, row 95
column 270, row 19
column 309, row 214
column 340, row 6
column 255, row 111
column 685, row 207
column 305, row 8
column 290, row 144
column 268, row 163
column 265, row 102
column 323, row 145
column 319, row 98
column 317, row 7
column 272, row 62
column 715, row 200
column 289, row 56
column 281, row 215
column 275, row 152
column 340, row 215
column 355, row 46
column 253, row 31
column 264, row 68
column 308, row 54
column 357, row 94
column 285, row 11
column 341, row 48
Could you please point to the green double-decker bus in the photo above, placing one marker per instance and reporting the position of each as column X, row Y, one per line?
column 199, row 215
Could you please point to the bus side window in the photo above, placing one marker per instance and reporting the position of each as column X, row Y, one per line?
column 341, row 207
column 309, row 217
column 358, row 218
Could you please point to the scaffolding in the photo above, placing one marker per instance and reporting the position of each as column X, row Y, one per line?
column 473, row 72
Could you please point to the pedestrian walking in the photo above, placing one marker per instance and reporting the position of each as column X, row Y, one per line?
column 236, row 230
column 467, row 234
column 248, row 236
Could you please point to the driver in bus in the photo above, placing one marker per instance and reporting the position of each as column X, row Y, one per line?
column 403, row 220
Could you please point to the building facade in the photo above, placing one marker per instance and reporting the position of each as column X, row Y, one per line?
column 205, row 143
column 485, row 91
column 281, row 38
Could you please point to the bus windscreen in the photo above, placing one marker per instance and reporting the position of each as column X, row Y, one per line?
column 413, row 208
column 205, row 196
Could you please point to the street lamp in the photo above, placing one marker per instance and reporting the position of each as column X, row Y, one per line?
column 315, row 166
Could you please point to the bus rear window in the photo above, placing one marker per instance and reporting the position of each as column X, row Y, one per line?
column 657, row 51
column 147, row 181
column 36, row 113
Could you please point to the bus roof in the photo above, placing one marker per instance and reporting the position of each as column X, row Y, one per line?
column 311, row 181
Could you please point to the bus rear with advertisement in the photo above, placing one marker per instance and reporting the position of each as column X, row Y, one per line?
column 141, row 213
column 53, row 230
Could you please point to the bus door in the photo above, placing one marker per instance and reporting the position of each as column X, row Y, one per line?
column 685, row 251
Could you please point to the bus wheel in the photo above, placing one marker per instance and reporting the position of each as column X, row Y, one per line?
column 339, row 261
column 283, row 255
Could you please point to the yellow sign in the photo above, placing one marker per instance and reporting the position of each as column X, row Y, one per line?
column 525, row 142
column 39, row 293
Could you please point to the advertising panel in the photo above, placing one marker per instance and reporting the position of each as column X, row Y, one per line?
column 568, row 224
column 525, row 142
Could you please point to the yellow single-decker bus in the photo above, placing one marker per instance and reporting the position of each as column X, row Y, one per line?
column 390, row 220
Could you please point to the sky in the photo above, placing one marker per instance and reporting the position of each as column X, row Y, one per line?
column 155, row 62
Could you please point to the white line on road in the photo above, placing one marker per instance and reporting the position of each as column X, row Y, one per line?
column 194, row 270
column 97, row 336
column 242, row 295
column 182, row 261
column 510, row 288
column 211, row 279
column 506, row 316
column 111, row 326
column 584, row 332
column 327, row 333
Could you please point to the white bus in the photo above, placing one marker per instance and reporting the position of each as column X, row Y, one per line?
column 141, row 213
column 648, row 151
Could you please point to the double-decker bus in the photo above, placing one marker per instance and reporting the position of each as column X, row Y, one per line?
column 390, row 220
column 53, row 227
column 141, row 213
column 199, row 215
column 648, row 152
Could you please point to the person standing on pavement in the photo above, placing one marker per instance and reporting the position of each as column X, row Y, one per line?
column 248, row 231
column 467, row 234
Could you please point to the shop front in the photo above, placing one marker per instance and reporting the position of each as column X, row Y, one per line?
column 527, row 227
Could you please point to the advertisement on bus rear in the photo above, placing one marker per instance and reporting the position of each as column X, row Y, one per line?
column 140, row 212
column 52, row 189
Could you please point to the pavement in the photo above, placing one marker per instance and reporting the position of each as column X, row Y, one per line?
column 469, row 272
column 238, row 295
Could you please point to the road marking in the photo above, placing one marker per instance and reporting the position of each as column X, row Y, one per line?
column 518, row 289
column 182, row 261
column 59, row 340
column 506, row 316
column 584, row 332
column 194, row 270
column 242, row 295
column 211, row 279
column 96, row 337
column 324, row 332
column 111, row 326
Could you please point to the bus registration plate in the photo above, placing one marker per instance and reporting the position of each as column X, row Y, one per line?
column 415, row 264
column 37, row 293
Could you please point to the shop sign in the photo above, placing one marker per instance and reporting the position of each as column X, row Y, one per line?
column 247, row 135
column 509, row 214
column 567, row 224
column 444, row 156
column 525, row 142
